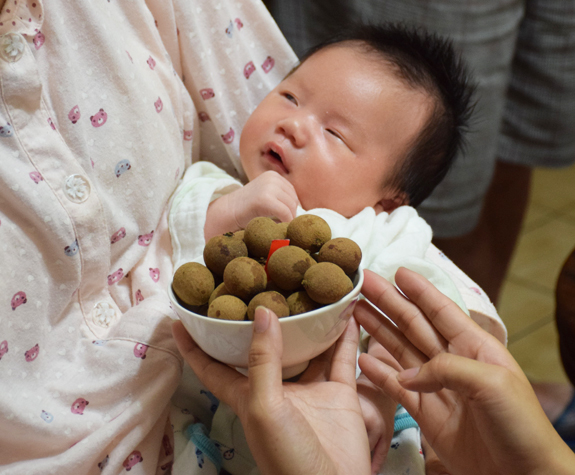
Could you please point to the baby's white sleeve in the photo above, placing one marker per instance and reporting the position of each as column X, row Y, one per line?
column 203, row 183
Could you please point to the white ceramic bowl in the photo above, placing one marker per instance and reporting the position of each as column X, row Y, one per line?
column 304, row 336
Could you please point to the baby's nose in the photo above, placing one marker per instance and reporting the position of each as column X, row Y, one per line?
column 295, row 129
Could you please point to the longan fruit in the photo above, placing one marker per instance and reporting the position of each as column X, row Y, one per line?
column 309, row 232
column 193, row 284
column 326, row 283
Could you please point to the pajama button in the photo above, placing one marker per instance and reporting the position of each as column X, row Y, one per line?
column 103, row 314
column 77, row 188
column 12, row 47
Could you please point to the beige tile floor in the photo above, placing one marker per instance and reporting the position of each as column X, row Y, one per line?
column 527, row 302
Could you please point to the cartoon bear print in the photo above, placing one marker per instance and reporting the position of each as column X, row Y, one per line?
column 239, row 24
column 72, row 249
column 46, row 416
column 134, row 458
column 155, row 274
column 122, row 167
column 168, row 450
column 3, row 348
column 99, row 119
column 159, row 105
column 102, row 465
column 32, row 353
column 36, row 177
column 268, row 64
column 203, row 116
column 38, row 40
column 79, row 405
column 207, row 93
column 51, row 123
column 119, row 234
column 18, row 299
column 140, row 350
column 6, row 130
column 74, row 114
column 139, row 297
column 230, row 30
column 227, row 452
column 145, row 239
column 188, row 135
column 151, row 62
column 249, row 69
column 229, row 136
column 115, row 276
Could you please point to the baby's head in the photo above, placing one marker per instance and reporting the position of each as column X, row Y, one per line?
column 373, row 117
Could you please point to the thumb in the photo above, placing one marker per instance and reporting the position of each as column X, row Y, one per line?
column 265, row 366
column 463, row 375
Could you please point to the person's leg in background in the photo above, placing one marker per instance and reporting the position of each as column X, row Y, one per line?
column 538, row 130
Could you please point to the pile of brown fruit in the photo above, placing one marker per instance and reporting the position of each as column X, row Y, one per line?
column 312, row 271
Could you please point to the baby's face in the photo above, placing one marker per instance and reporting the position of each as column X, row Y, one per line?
column 335, row 129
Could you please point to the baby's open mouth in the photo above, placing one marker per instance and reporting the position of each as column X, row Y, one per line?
column 275, row 158
column 275, row 155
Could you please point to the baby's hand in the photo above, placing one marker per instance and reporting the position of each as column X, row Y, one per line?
column 269, row 195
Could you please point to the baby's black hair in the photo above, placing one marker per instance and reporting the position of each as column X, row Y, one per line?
column 428, row 62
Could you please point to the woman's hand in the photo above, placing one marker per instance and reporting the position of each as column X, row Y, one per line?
column 472, row 401
column 313, row 426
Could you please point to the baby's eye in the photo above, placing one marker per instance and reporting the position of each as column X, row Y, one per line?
column 289, row 97
column 334, row 133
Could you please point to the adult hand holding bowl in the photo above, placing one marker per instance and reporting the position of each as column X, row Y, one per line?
column 333, row 282
column 304, row 336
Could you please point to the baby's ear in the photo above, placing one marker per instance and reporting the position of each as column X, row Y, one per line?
column 389, row 204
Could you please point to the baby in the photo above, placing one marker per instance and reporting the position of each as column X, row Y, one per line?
column 372, row 118
column 367, row 123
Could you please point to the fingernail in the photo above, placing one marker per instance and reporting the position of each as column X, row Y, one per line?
column 261, row 320
column 408, row 374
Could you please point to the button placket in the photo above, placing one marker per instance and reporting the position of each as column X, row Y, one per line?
column 77, row 188
column 103, row 314
column 12, row 47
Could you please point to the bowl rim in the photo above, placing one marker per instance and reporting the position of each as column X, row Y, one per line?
column 301, row 316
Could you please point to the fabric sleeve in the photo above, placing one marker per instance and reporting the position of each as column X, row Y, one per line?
column 230, row 55
column 202, row 184
column 481, row 310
